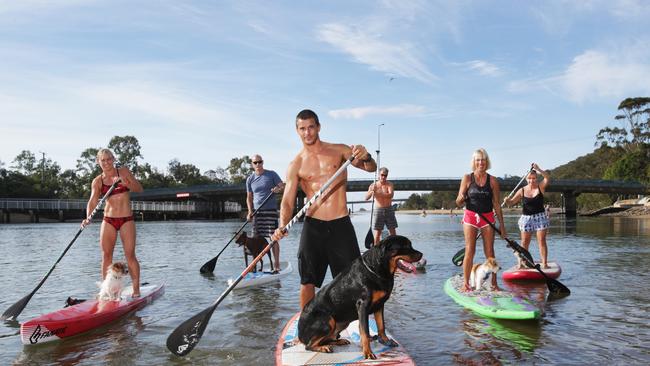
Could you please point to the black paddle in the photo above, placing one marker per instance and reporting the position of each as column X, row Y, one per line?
column 555, row 287
column 15, row 309
column 457, row 259
column 370, row 238
column 188, row 334
column 208, row 267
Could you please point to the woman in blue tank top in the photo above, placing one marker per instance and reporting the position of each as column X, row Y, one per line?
column 534, row 218
column 479, row 192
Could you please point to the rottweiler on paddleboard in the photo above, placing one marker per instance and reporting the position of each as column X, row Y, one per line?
column 354, row 294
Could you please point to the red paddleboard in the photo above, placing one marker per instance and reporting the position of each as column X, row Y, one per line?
column 88, row 315
column 531, row 274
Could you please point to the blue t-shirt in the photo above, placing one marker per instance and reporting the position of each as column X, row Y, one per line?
column 261, row 186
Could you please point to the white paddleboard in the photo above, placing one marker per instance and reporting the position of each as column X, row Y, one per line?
column 289, row 351
column 260, row 278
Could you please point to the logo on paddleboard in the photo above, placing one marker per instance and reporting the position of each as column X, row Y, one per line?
column 38, row 334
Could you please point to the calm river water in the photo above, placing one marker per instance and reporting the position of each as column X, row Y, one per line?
column 605, row 261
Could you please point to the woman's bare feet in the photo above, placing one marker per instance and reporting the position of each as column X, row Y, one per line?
column 466, row 288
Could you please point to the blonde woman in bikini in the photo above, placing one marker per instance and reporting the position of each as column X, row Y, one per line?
column 118, row 216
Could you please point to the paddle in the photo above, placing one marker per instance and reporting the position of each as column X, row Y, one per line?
column 15, row 309
column 188, row 334
column 555, row 287
column 370, row 238
column 208, row 267
column 457, row 259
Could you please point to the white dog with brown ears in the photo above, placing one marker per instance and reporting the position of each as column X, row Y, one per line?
column 481, row 272
column 111, row 287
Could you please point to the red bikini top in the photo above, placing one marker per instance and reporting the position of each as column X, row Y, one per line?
column 120, row 188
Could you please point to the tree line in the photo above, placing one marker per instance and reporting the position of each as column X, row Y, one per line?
column 622, row 153
column 31, row 177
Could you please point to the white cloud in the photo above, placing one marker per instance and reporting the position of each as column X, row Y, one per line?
column 403, row 110
column 482, row 67
column 370, row 49
column 595, row 74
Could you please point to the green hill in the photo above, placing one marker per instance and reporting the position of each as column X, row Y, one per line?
column 590, row 166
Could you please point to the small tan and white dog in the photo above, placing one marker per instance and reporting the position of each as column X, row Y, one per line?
column 112, row 286
column 481, row 272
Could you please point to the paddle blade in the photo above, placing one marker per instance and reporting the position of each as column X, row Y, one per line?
column 556, row 288
column 187, row 335
column 208, row 267
column 17, row 308
column 457, row 259
column 370, row 239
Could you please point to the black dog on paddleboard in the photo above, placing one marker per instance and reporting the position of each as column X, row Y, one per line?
column 354, row 294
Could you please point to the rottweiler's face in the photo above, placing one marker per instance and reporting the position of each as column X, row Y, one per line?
column 398, row 250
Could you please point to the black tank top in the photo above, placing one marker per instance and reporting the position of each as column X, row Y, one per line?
column 532, row 206
column 479, row 198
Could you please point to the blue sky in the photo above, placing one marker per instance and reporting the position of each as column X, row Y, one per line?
column 205, row 81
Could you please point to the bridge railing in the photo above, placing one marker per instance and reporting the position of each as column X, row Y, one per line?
column 60, row 204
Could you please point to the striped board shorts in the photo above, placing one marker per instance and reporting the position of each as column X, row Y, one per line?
column 265, row 222
column 533, row 223
column 385, row 216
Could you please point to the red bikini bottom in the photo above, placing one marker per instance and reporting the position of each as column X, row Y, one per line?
column 117, row 222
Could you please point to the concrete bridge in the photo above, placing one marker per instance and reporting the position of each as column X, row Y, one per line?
column 33, row 210
column 570, row 188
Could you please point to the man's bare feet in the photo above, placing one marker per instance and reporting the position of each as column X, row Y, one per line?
column 466, row 288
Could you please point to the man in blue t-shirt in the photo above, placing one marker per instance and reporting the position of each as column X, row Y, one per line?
column 258, row 186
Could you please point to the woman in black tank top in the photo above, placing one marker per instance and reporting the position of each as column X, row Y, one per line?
column 534, row 218
column 479, row 192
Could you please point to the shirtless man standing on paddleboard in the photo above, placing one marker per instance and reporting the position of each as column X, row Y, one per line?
column 328, row 237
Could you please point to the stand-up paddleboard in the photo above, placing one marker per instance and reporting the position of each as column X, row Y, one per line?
column 260, row 278
column 88, row 315
column 492, row 304
column 531, row 274
column 289, row 350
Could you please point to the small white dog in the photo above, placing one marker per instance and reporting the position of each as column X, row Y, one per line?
column 481, row 272
column 112, row 286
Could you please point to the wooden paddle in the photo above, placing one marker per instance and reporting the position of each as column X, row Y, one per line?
column 457, row 259
column 15, row 309
column 208, row 267
column 188, row 334
column 555, row 287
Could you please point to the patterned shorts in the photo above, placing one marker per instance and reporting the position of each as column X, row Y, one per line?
column 265, row 222
column 533, row 223
column 385, row 216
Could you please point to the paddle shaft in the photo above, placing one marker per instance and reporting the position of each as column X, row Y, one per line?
column 511, row 193
column 208, row 267
column 18, row 307
column 370, row 238
column 186, row 336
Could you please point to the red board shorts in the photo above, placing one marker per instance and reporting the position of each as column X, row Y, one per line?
column 473, row 219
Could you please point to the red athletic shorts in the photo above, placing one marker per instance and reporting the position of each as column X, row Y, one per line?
column 473, row 219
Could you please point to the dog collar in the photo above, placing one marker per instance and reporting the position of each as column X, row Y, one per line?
column 368, row 268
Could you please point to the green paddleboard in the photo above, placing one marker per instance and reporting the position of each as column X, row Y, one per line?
column 492, row 304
